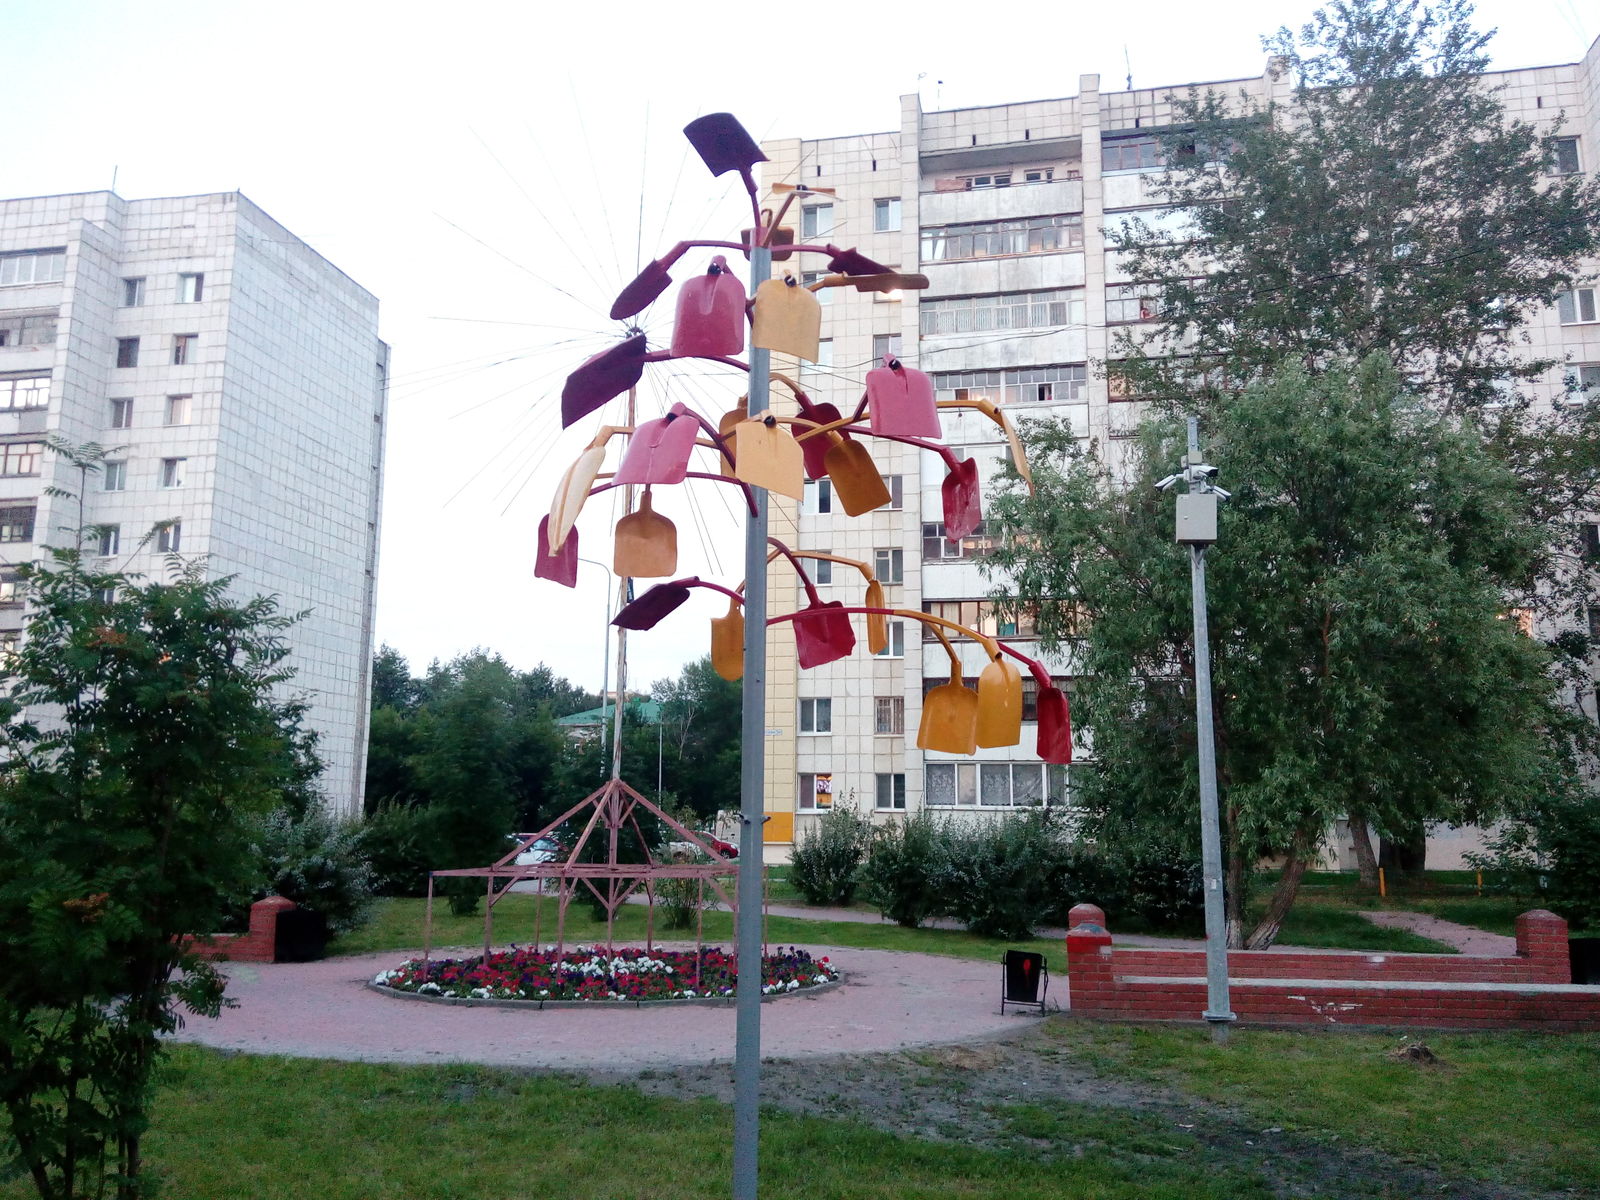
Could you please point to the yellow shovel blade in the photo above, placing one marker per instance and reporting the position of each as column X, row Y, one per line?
column 877, row 623
column 1000, row 704
column 769, row 457
column 856, row 480
column 949, row 718
column 727, row 643
column 787, row 318
column 572, row 492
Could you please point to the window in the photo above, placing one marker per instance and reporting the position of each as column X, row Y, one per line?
column 106, row 596
column 1564, row 150
column 896, row 647
column 24, row 391
column 28, row 329
column 10, row 643
column 1576, row 307
column 122, row 413
column 1039, row 175
column 133, row 292
column 889, row 565
column 1594, row 624
column 20, row 458
column 989, row 785
column 1029, row 385
column 16, row 523
column 886, row 215
column 991, row 239
column 127, row 352
column 190, row 288
column 821, row 570
column 1015, row 310
column 33, row 266
column 178, row 410
column 816, row 791
column 1584, row 380
column 173, row 472
column 1030, row 694
column 1590, row 544
column 169, row 537
column 183, row 345
column 889, row 714
column 982, row 616
column 823, row 295
column 116, row 476
column 816, row 716
column 891, row 791
column 1130, row 154
column 884, row 343
column 818, row 497
column 10, row 589
column 978, row 182
column 935, row 546
column 110, row 540
column 1132, row 302
column 816, row 221
column 897, row 495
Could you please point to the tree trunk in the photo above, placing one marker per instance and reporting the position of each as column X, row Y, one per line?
column 1366, row 858
column 1233, row 898
column 1407, row 855
column 1288, row 886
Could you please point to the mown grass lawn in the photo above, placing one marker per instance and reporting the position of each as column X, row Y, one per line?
column 1518, row 1107
column 249, row 1128
column 1451, row 895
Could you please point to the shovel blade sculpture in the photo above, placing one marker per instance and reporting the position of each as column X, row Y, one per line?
column 962, row 511
column 1055, row 726
column 822, row 634
column 769, row 457
column 877, row 623
column 723, row 144
column 901, row 400
column 816, row 448
column 856, row 479
column 727, row 643
column 659, row 450
column 646, row 544
column 647, row 611
column 562, row 566
column 999, row 704
column 949, row 717
column 603, row 377
column 710, row 321
column 639, row 295
column 787, row 319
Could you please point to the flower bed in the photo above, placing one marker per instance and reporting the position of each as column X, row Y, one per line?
column 588, row 973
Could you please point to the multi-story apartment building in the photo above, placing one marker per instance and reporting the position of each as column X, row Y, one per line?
column 1005, row 210
column 238, row 381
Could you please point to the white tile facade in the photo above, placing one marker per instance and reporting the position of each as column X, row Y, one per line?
column 1077, row 148
column 265, row 442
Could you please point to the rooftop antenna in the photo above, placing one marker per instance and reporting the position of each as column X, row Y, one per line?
column 1128, row 62
column 113, row 177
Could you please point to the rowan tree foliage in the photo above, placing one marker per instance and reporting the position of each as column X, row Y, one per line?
column 1366, row 658
column 140, row 728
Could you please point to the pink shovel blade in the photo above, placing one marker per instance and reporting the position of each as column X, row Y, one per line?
column 651, row 607
column 901, row 401
column 710, row 322
column 962, row 512
column 603, row 377
column 641, row 293
column 723, row 143
column 562, row 566
column 822, row 634
column 1055, row 726
column 659, row 450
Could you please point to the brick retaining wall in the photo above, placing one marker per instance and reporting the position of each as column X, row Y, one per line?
column 1528, row 990
column 259, row 945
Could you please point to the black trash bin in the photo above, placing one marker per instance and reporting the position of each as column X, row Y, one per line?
column 302, row 936
column 1026, row 980
column 1585, row 955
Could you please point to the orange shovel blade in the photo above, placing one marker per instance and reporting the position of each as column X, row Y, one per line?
column 999, row 705
column 727, row 644
column 646, row 544
column 855, row 477
column 949, row 719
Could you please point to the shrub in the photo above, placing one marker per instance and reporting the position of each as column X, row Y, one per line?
column 679, row 901
column 1002, row 874
column 316, row 861
column 1552, row 854
column 1158, row 883
column 906, row 874
column 827, row 861
column 399, row 850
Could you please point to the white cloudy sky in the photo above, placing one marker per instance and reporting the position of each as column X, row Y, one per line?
column 480, row 167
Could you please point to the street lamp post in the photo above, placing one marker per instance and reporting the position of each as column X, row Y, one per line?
column 1197, row 528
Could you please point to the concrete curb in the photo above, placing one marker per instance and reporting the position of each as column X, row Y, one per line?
column 541, row 1005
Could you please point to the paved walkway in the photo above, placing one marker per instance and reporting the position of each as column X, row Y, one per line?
column 1463, row 937
column 889, row 1001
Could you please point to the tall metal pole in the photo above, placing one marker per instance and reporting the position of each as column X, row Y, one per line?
column 605, row 660
column 1219, row 1009
column 752, row 783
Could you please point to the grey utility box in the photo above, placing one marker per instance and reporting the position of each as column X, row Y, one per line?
column 1197, row 518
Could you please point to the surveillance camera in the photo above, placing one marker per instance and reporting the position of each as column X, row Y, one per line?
column 1166, row 484
column 1222, row 492
column 1203, row 471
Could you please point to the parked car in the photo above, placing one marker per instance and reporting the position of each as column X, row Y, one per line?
column 722, row 848
column 545, row 850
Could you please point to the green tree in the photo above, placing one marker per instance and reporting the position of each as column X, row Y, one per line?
column 1362, row 656
column 700, row 712
column 139, row 731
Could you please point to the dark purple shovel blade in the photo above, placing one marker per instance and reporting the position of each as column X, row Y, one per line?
column 603, row 377
column 851, row 262
column 659, row 450
column 722, row 142
column 822, row 634
column 562, row 567
column 651, row 607
column 641, row 293
column 1055, row 726
column 962, row 511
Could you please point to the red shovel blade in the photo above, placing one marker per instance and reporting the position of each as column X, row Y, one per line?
column 710, row 315
column 901, row 401
column 562, row 566
column 659, row 450
column 1055, row 726
column 822, row 634
column 603, row 377
column 722, row 143
column 816, row 448
column 641, row 293
column 649, row 609
column 962, row 512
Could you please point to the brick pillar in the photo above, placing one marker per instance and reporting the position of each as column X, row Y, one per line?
column 263, row 935
column 1542, row 940
column 1091, row 984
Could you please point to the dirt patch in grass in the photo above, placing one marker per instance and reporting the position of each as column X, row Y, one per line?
column 1044, row 1095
